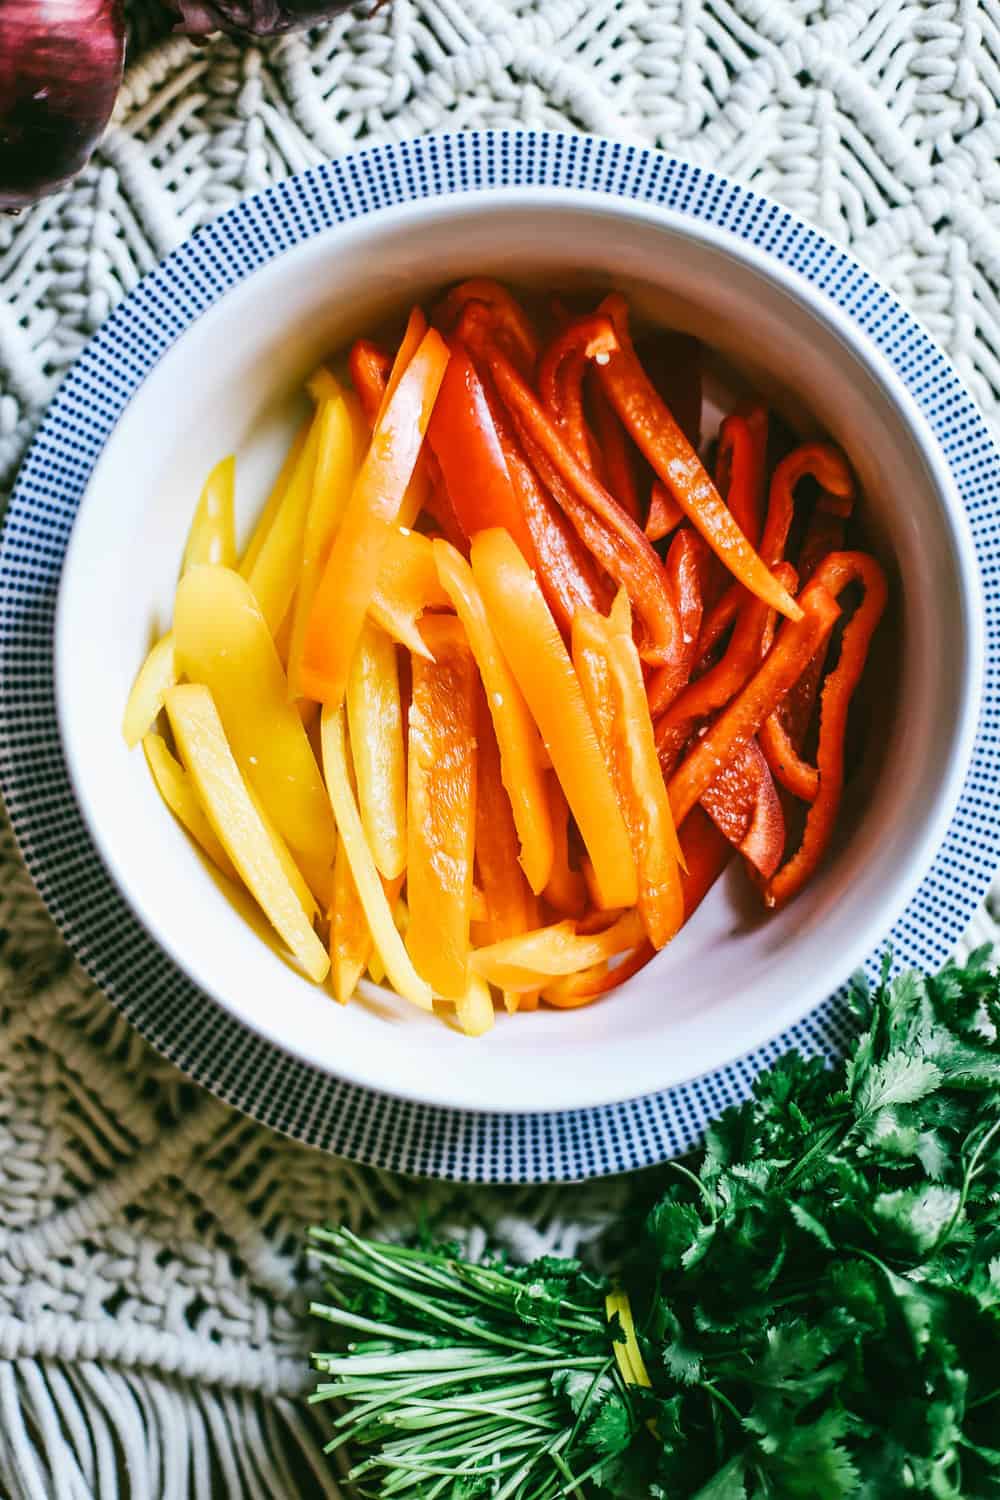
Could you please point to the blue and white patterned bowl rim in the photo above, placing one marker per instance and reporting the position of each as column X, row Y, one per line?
column 201, row 1038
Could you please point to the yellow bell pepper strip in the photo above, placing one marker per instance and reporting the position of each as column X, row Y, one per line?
column 337, row 463
column 835, row 573
column 441, row 807
column 238, row 825
column 275, row 572
column 566, row 891
column 381, row 924
column 407, row 585
column 355, row 561
column 157, row 673
column 509, row 905
column 222, row 640
column 741, row 719
column 323, row 385
column 174, row 786
column 474, row 1009
column 212, row 538
column 652, row 428
column 311, row 901
column 392, row 888
column 274, row 501
column 522, row 758
column 350, row 938
column 554, row 950
column 375, row 725
column 534, row 649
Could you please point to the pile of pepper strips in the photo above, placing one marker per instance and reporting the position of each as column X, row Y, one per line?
column 632, row 654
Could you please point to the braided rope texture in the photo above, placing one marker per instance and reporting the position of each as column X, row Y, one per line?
column 151, row 1284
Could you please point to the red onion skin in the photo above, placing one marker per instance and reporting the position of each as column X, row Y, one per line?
column 60, row 70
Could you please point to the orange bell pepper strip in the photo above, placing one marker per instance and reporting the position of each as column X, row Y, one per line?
column 407, row 585
column 615, row 449
column 566, row 892
column 369, row 367
column 441, row 807
column 834, row 575
column 554, row 950
column 740, row 721
column 741, row 467
column 588, row 985
column 352, row 570
column 686, row 567
column 510, row 905
column 540, row 663
column 350, row 938
column 744, row 804
column 824, row 463
column 465, row 443
column 416, row 327
column 613, row 538
column 648, row 421
column 522, row 757
column 507, row 317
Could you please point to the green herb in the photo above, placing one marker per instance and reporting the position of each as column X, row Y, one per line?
column 817, row 1307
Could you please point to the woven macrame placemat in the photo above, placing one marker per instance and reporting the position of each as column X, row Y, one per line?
column 152, row 1342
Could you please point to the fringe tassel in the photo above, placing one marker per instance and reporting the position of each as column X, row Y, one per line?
column 83, row 1432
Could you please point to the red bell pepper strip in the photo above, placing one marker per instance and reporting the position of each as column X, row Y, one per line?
column 685, row 568
column 615, row 449
column 827, row 465
column 664, row 512
column 741, row 468
column 368, row 367
column 352, row 569
column 611, row 535
column 465, row 442
column 744, row 804
column 561, row 372
column 834, row 574
column 740, row 721
column 706, row 853
column 649, row 422
column 508, row 319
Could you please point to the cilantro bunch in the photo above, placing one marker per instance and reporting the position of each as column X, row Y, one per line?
column 817, row 1305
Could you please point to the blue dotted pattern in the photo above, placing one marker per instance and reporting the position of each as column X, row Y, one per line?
column 201, row 1038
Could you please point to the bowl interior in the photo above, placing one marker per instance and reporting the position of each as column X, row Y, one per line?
column 232, row 383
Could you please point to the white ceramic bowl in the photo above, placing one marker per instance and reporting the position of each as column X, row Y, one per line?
column 733, row 978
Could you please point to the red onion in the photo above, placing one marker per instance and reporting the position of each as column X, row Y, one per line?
column 253, row 17
column 60, row 69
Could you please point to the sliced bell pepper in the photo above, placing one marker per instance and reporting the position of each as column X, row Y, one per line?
column 575, row 990
column 742, row 469
column 561, row 372
column 474, row 1009
column 275, row 500
column 323, row 385
column 212, row 538
column 275, row 571
column 407, row 585
column 157, row 673
column 686, row 567
column 510, row 906
column 566, row 572
column 174, row 785
column 554, row 950
column 508, row 319
column 350, row 938
column 416, row 327
column 566, row 891
column 615, row 450
column 222, row 641
column 375, row 727
column 665, row 515
column 466, row 444
column 522, row 757
column 613, row 538
column 441, row 807
column 835, row 573
column 741, row 719
column 337, row 461
column 238, row 825
column 368, row 366
column 352, row 570
column 743, row 803
column 824, row 463
column 535, row 652
column 398, row 966
column 706, row 852
column 652, row 428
